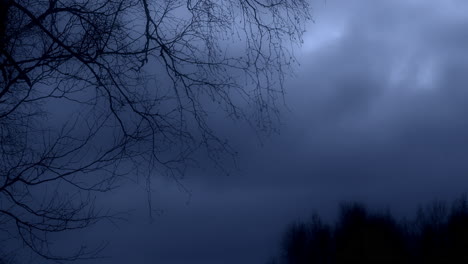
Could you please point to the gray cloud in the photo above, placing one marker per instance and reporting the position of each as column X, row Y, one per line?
column 378, row 114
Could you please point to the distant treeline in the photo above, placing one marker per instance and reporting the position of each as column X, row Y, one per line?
column 437, row 234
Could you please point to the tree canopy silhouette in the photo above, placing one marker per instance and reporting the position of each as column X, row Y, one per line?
column 436, row 235
column 91, row 91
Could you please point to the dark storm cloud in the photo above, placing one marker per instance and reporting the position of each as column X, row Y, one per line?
column 378, row 114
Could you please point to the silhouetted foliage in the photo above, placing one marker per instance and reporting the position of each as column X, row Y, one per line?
column 361, row 237
column 437, row 235
column 307, row 242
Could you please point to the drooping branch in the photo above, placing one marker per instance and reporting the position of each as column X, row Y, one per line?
column 93, row 92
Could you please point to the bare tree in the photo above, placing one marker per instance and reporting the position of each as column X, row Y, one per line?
column 90, row 87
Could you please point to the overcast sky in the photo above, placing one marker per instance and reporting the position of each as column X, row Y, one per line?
column 378, row 113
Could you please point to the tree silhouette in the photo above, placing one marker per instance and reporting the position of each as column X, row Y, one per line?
column 368, row 238
column 308, row 242
column 437, row 235
column 457, row 231
column 91, row 91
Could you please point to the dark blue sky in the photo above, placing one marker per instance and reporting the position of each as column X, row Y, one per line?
column 376, row 113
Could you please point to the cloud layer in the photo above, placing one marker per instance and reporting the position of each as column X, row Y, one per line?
column 377, row 114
